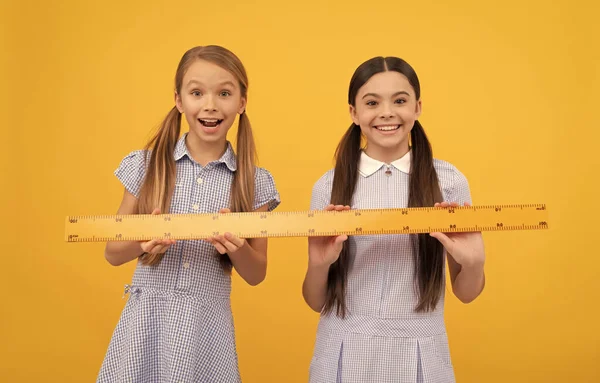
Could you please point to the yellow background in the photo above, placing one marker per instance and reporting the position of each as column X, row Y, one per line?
column 510, row 96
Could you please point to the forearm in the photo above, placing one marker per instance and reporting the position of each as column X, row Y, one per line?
column 469, row 283
column 250, row 264
column 314, row 288
column 118, row 253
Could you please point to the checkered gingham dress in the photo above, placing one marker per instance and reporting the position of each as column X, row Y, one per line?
column 177, row 324
column 383, row 339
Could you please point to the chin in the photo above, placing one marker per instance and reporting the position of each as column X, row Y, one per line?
column 389, row 144
column 207, row 137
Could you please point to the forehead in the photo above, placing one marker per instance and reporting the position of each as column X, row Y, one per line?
column 207, row 74
column 386, row 84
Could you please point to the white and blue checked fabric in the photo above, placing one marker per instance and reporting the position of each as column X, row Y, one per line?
column 177, row 324
column 383, row 339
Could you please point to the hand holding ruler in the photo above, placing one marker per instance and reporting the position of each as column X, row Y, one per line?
column 144, row 227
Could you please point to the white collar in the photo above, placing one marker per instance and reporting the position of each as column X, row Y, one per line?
column 367, row 165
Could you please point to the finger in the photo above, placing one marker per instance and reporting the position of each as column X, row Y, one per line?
column 219, row 246
column 437, row 204
column 147, row 246
column 160, row 249
column 454, row 204
column 225, row 210
column 329, row 207
column 167, row 242
column 443, row 204
column 156, row 211
column 237, row 241
column 154, row 249
column 340, row 207
column 339, row 241
column 229, row 246
column 467, row 204
column 444, row 240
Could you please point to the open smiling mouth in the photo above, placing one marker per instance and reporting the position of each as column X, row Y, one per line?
column 210, row 122
column 387, row 128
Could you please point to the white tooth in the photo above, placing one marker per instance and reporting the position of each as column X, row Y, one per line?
column 387, row 127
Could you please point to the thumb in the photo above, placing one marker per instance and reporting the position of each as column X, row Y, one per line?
column 338, row 242
column 156, row 211
column 444, row 239
column 224, row 210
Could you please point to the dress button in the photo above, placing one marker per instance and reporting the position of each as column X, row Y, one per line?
column 186, row 265
column 196, row 207
column 199, row 180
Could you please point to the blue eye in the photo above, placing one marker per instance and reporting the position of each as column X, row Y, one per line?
column 371, row 103
column 196, row 93
column 225, row 93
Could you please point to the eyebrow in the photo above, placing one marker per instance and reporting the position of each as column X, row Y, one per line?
column 378, row 96
column 191, row 82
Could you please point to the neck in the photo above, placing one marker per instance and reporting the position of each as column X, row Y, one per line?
column 387, row 155
column 204, row 152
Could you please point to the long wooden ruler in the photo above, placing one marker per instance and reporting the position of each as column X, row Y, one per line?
column 307, row 223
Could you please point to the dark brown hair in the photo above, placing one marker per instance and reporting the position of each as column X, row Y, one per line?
column 158, row 185
column 424, row 190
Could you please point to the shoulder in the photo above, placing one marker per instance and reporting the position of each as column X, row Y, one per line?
column 453, row 183
column 324, row 182
column 321, row 191
column 262, row 174
column 263, row 179
column 448, row 172
column 136, row 158
column 132, row 170
column 265, row 189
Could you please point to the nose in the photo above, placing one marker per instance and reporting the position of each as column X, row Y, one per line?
column 209, row 105
column 386, row 111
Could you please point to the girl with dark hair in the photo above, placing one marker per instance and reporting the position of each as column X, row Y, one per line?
column 381, row 297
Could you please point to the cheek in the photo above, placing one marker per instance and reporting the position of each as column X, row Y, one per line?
column 190, row 106
column 190, row 118
column 408, row 113
column 365, row 116
column 229, row 107
column 369, row 116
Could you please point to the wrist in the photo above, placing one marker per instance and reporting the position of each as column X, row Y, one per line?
column 473, row 266
column 139, row 249
column 318, row 268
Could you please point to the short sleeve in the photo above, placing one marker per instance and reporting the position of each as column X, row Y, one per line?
column 460, row 191
column 265, row 191
column 131, row 171
column 321, row 192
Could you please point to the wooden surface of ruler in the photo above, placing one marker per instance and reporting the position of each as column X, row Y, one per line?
column 306, row 223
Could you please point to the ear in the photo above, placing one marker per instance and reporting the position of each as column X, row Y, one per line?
column 418, row 109
column 242, row 108
column 353, row 114
column 178, row 103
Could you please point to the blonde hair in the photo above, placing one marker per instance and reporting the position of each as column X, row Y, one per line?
column 157, row 188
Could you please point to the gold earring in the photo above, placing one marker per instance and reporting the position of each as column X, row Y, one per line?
column 409, row 141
